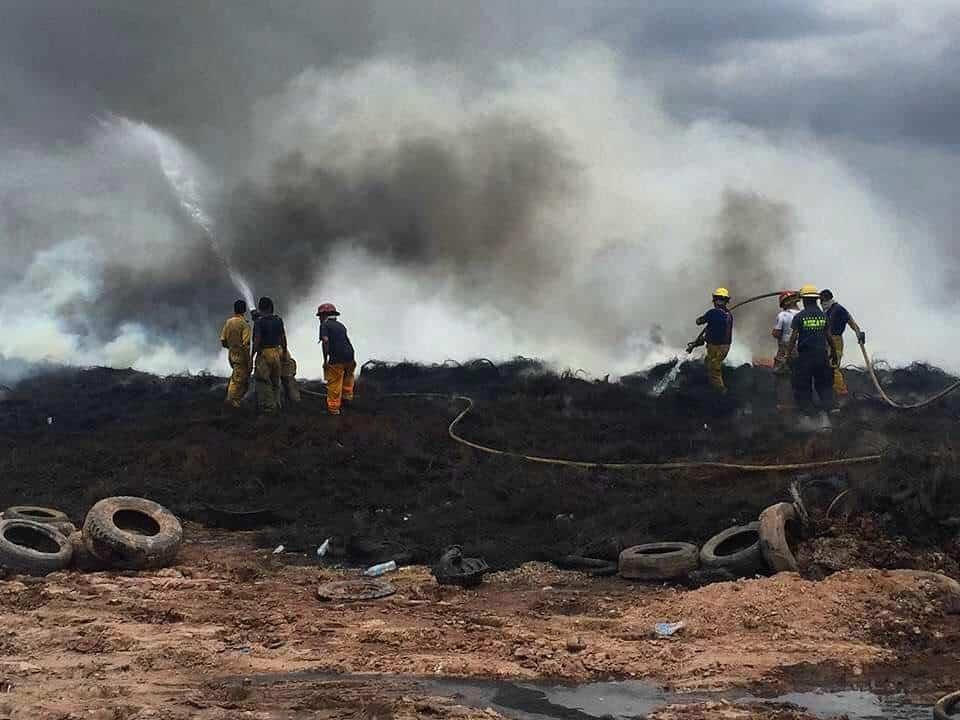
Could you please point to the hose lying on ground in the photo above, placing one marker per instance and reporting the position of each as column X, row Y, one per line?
column 675, row 465
column 893, row 403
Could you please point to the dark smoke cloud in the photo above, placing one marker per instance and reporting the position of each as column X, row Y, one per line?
column 463, row 205
column 752, row 236
column 489, row 204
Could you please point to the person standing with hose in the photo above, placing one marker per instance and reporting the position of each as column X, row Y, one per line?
column 235, row 338
column 813, row 365
column 339, row 361
column 718, row 336
column 269, row 347
column 838, row 317
column 783, row 362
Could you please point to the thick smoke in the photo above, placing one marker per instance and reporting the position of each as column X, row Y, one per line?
column 543, row 203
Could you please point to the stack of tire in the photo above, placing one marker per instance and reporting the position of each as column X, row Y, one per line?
column 740, row 551
column 119, row 532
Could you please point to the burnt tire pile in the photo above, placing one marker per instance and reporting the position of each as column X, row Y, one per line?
column 119, row 532
column 757, row 548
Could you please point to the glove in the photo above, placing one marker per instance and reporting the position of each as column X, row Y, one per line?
column 862, row 337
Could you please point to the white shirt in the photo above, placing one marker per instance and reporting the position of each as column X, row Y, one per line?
column 785, row 325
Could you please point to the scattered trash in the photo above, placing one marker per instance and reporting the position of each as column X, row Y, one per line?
column 324, row 546
column 49, row 421
column 380, row 569
column 278, row 549
column 665, row 630
column 454, row 569
column 360, row 589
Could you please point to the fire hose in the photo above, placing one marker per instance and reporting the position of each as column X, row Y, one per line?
column 588, row 465
column 675, row 465
column 868, row 362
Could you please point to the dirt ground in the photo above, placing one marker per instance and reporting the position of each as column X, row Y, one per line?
column 202, row 639
column 218, row 635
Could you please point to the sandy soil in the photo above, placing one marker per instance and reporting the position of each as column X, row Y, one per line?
column 179, row 642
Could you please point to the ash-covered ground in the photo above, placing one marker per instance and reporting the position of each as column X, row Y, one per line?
column 385, row 481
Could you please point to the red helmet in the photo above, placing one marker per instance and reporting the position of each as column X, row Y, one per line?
column 327, row 309
column 788, row 296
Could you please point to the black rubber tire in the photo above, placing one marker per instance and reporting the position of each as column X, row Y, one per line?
column 658, row 561
column 945, row 706
column 744, row 562
column 155, row 546
column 21, row 558
column 45, row 515
column 36, row 514
column 774, row 537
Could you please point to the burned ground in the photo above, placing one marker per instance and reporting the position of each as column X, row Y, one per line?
column 384, row 480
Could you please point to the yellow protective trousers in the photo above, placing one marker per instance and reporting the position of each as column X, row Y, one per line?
column 269, row 369
column 716, row 354
column 836, row 361
column 288, row 379
column 240, row 378
column 339, row 377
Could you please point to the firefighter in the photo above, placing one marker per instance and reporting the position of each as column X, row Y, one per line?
column 783, row 363
column 269, row 347
column 838, row 317
column 718, row 336
column 235, row 337
column 812, row 369
column 339, row 361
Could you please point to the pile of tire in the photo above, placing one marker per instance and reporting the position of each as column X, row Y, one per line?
column 758, row 547
column 119, row 532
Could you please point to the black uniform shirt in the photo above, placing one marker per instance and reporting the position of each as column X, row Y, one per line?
column 269, row 330
column 339, row 347
column 810, row 325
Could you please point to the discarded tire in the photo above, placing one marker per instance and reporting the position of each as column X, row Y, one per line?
column 132, row 533
column 776, row 524
column 945, row 706
column 33, row 548
column 361, row 589
column 455, row 569
column 658, row 561
column 45, row 515
column 736, row 549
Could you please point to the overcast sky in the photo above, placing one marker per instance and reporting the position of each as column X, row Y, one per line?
column 873, row 84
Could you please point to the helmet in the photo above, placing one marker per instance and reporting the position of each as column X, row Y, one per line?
column 722, row 292
column 809, row 291
column 327, row 309
column 787, row 296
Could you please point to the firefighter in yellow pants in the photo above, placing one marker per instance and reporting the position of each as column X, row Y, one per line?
column 269, row 348
column 339, row 378
column 235, row 337
column 838, row 317
column 718, row 336
column 339, row 363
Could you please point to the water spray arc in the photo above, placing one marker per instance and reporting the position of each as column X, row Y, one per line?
column 175, row 163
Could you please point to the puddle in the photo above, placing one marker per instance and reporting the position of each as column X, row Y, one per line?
column 621, row 700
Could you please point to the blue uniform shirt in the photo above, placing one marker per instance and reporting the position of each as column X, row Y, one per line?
column 719, row 326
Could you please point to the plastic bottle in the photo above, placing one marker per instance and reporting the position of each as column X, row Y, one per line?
column 322, row 550
column 380, row 569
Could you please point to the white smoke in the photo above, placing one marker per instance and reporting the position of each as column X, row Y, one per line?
column 629, row 250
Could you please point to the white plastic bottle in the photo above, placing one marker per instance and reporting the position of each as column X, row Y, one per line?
column 380, row 569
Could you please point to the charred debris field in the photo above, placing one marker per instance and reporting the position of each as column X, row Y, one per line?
column 385, row 481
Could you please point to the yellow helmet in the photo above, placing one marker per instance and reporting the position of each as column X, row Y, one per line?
column 809, row 291
column 721, row 292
